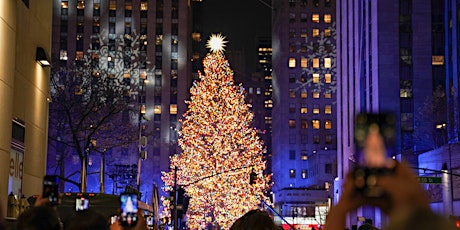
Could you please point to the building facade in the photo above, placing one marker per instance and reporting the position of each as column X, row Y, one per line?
column 393, row 56
column 162, row 31
column 24, row 85
column 304, row 106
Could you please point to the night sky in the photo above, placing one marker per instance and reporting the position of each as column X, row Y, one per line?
column 242, row 22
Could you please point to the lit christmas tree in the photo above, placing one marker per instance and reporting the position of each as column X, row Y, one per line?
column 220, row 149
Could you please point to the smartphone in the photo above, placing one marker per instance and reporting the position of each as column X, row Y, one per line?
column 380, row 125
column 129, row 208
column 375, row 138
column 50, row 189
column 81, row 202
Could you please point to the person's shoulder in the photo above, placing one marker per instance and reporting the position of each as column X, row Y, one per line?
column 421, row 219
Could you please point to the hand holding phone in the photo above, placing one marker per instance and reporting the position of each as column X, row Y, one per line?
column 129, row 208
column 50, row 189
column 374, row 138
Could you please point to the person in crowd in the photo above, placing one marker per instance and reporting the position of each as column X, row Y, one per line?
column 254, row 220
column 140, row 225
column 401, row 197
column 88, row 219
column 38, row 218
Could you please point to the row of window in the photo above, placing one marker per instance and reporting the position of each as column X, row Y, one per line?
column 303, row 153
column 315, row 32
column 304, row 172
column 316, row 139
column 304, row 3
column 315, row 63
column 315, row 18
column 304, row 109
column 315, row 123
column 303, row 94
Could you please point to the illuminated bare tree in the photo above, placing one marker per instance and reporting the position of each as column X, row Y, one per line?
column 94, row 103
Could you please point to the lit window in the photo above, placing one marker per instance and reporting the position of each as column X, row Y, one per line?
column 303, row 62
column 303, row 123
column 81, row 5
column 303, row 93
column 303, row 109
column 128, row 6
column 291, row 62
column 304, row 155
column 328, row 109
column 303, row 33
column 157, row 109
column 291, row 93
column 437, row 60
column 79, row 55
column 196, row 36
column 291, row 123
column 127, row 74
column 327, row 62
column 112, row 5
column 292, row 173
column 304, row 173
column 327, row 95
column 315, row 109
column 316, row 94
column 327, row 18
column 316, row 78
column 64, row 4
column 328, row 124
column 315, row 124
column 315, row 33
column 173, row 109
column 327, row 32
column 63, row 55
column 315, row 62
column 315, row 18
column 144, row 6
column 327, row 78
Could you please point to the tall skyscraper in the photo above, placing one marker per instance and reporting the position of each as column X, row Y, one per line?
column 396, row 56
column 304, row 115
column 162, row 56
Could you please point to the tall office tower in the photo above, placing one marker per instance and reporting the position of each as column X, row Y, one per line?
column 304, row 115
column 25, row 32
column 263, row 85
column 162, row 30
column 392, row 55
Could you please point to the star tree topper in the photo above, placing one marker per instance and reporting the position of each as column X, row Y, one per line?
column 216, row 43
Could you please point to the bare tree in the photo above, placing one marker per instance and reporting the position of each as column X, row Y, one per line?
column 95, row 104
column 433, row 112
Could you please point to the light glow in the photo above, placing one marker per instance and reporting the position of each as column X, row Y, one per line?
column 220, row 150
column 216, row 43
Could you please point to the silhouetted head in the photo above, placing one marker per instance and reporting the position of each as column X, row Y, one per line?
column 38, row 218
column 254, row 220
column 86, row 220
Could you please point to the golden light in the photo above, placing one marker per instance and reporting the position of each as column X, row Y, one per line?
column 216, row 43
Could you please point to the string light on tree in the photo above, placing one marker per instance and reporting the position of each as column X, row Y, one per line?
column 220, row 148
